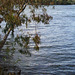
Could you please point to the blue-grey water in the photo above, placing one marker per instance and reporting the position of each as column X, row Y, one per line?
column 56, row 55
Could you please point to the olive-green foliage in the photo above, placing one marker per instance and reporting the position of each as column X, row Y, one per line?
column 11, row 11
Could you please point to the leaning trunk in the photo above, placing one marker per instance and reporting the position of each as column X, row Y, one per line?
column 4, row 39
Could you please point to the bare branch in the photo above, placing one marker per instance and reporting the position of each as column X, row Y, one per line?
column 22, row 8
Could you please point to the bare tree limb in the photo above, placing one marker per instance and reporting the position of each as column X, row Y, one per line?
column 22, row 9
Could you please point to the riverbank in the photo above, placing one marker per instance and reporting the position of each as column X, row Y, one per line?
column 9, row 70
column 6, row 68
column 54, row 3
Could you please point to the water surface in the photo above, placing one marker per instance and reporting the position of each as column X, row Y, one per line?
column 56, row 55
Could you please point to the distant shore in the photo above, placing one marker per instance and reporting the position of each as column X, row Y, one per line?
column 53, row 3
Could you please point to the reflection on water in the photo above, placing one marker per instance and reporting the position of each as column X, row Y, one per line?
column 56, row 55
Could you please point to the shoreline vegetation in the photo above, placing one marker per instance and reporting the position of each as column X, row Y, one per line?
column 52, row 2
column 9, row 70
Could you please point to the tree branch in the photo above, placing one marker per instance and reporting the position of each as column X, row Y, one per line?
column 22, row 8
column 9, row 30
column 5, row 38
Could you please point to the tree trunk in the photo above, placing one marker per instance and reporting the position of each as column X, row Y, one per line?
column 5, row 38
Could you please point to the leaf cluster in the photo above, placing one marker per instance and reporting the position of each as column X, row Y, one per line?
column 22, row 41
column 36, row 40
column 11, row 11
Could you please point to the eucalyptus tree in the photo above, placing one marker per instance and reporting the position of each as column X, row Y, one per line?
column 11, row 12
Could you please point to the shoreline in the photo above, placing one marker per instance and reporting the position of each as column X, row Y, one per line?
column 53, row 3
